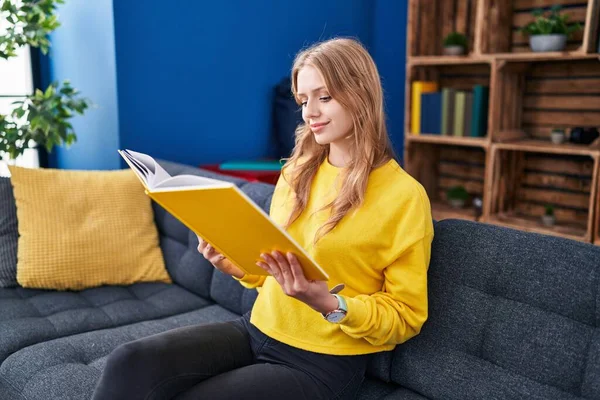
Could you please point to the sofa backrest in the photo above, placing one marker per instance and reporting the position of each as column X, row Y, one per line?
column 512, row 315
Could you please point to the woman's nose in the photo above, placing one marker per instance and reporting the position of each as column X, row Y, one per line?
column 311, row 110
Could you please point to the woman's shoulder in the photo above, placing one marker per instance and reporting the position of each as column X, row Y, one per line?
column 392, row 184
column 394, row 178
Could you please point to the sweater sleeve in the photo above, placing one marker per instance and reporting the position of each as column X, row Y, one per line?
column 398, row 312
column 251, row 281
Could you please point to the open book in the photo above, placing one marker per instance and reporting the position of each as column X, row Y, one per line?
column 221, row 214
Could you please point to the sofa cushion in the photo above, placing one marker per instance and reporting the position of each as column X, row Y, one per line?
column 228, row 293
column 83, row 229
column 512, row 315
column 32, row 316
column 260, row 193
column 377, row 390
column 69, row 368
column 9, row 235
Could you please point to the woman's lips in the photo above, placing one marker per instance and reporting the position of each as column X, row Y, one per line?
column 318, row 126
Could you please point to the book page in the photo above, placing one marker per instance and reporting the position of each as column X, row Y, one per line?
column 157, row 173
column 141, row 171
column 191, row 180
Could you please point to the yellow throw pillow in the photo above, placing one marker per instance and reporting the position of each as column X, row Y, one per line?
column 82, row 229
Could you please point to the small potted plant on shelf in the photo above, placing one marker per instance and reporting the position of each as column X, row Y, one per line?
column 548, row 219
column 549, row 33
column 558, row 136
column 455, row 44
column 457, row 196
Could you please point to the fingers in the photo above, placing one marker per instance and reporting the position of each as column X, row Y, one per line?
column 271, row 266
column 209, row 252
column 295, row 267
column 284, row 266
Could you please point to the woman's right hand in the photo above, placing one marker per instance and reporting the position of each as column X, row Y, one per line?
column 218, row 260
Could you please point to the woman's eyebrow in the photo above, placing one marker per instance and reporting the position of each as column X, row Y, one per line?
column 312, row 91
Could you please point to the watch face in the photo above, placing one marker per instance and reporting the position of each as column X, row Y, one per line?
column 336, row 316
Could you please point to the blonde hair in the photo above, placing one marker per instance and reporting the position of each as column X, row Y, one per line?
column 352, row 79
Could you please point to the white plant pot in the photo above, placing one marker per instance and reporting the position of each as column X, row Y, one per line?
column 558, row 137
column 541, row 43
column 454, row 50
column 457, row 203
column 548, row 220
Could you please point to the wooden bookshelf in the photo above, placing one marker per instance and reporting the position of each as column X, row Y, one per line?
column 529, row 95
column 525, row 181
column 449, row 140
column 597, row 208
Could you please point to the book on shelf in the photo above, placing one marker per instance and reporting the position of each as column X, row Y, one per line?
column 431, row 113
column 480, row 111
column 468, row 113
column 221, row 214
column 448, row 96
column 417, row 88
column 459, row 113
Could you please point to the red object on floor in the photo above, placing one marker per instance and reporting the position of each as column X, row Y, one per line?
column 251, row 176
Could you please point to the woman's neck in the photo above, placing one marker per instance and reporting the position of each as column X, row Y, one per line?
column 339, row 155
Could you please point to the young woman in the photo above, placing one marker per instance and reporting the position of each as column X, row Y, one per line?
column 345, row 199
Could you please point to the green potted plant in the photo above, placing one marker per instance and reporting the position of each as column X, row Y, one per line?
column 549, row 32
column 41, row 119
column 457, row 196
column 548, row 219
column 455, row 44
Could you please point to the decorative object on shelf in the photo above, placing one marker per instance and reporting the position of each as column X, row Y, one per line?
column 455, row 44
column 581, row 135
column 548, row 219
column 549, row 33
column 478, row 206
column 457, row 196
column 558, row 136
column 41, row 120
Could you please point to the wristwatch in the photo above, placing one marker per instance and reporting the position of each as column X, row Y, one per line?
column 339, row 313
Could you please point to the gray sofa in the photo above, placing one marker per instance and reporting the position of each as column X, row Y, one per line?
column 513, row 315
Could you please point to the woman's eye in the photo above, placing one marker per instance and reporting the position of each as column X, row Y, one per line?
column 303, row 104
column 325, row 98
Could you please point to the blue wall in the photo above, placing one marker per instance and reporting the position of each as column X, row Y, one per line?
column 198, row 89
column 195, row 82
column 83, row 52
column 389, row 53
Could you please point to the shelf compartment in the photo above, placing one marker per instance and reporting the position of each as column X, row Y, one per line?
column 544, row 146
column 502, row 20
column 529, row 224
column 536, row 97
column 432, row 20
column 438, row 168
column 524, row 182
column 458, row 77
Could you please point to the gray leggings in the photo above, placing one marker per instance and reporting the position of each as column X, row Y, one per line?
column 230, row 360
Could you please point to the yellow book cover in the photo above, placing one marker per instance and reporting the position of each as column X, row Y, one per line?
column 419, row 87
column 220, row 213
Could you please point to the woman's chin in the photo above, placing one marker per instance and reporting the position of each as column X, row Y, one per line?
column 321, row 140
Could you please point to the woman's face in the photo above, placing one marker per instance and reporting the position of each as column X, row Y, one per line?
column 328, row 120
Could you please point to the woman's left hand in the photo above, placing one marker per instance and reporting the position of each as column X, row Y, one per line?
column 287, row 271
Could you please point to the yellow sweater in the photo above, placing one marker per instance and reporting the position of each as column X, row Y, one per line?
column 381, row 253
